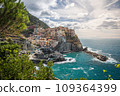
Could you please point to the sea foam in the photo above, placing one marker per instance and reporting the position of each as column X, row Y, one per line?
column 85, row 73
column 68, row 60
column 93, row 50
column 79, row 68
column 110, row 59
column 91, row 68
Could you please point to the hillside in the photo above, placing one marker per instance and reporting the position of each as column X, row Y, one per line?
column 33, row 21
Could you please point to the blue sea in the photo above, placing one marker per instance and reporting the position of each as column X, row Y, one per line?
column 80, row 64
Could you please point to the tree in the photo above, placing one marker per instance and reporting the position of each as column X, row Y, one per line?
column 15, row 66
column 45, row 73
column 13, row 16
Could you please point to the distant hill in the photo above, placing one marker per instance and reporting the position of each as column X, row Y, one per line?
column 33, row 21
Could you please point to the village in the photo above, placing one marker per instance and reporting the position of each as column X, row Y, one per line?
column 45, row 44
column 50, row 37
column 50, row 44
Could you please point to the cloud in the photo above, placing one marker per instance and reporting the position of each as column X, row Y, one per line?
column 77, row 14
column 70, row 5
column 40, row 7
column 34, row 7
column 45, row 13
column 49, row 14
column 111, row 3
column 42, row 4
column 110, row 25
column 85, row 19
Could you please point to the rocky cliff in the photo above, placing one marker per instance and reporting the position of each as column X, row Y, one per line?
column 71, row 44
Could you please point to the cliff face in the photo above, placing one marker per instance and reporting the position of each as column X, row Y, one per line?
column 69, row 44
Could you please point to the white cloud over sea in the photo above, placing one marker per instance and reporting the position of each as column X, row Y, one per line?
column 98, row 17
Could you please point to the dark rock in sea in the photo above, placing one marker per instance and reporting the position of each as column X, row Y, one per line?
column 98, row 56
column 56, row 57
column 85, row 49
column 73, row 44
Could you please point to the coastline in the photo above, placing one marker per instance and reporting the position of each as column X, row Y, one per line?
column 89, row 67
column 52, row 48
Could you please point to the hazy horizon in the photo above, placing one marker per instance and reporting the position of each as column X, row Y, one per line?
column 98, row 34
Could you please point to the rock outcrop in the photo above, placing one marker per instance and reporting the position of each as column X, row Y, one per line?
column 46, row 56
column 56, row 57
column 96, row 55
column 72, row 44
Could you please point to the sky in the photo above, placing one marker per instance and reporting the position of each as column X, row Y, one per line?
column 89, row 18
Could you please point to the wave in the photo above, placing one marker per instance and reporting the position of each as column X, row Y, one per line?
column 68, row 60
column 77, row 68
column 77, row 55
column 80, row 68
column 91, row 68
column 85, row 73
column 110, row 59
column 93, row 50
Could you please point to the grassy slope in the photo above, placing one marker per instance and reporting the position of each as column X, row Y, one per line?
column 33, row 21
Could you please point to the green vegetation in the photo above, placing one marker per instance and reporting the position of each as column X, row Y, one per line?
column 13, row 16
column 45, row 73
column 15, row 66
column 33, row 21
column 27, row 32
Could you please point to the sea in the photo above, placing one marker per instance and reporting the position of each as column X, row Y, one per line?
column 82, row 65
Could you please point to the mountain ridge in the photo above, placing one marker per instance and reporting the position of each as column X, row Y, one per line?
column 34, row 21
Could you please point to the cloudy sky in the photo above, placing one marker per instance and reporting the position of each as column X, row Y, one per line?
column 89, row 18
